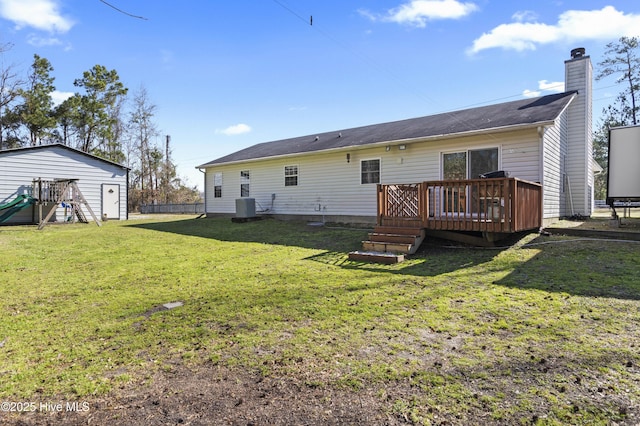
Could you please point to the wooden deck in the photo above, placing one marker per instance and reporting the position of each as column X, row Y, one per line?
column 501, row 205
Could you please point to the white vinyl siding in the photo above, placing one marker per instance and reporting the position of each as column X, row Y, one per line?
column 554, row 158
column 19, row 168
column 579, row 137
column 332, row 185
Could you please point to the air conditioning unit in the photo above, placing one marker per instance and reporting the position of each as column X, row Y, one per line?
column 245, row 208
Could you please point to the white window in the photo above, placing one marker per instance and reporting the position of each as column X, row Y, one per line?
column 291, row 176
column 217, row 185
column 370, row 171
column 245, row 180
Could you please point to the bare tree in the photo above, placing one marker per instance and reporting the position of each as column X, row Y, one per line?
column 143, row 132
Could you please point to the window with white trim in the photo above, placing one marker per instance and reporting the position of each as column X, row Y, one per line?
column 370, row 171
column 245, row 179
column 217, row 185
column 290, row 175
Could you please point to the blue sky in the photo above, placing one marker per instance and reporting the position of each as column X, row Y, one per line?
column 226, row 75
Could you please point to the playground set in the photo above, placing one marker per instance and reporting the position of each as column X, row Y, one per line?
column 44, row 193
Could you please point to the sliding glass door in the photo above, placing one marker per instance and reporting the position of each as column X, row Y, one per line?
column 469, row 164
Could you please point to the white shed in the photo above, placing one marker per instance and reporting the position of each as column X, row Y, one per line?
column 102, row 183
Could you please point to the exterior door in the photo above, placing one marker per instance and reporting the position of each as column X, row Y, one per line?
column 111, row 200
column 465, row 165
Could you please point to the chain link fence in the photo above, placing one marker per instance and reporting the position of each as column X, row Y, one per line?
column 177, row 208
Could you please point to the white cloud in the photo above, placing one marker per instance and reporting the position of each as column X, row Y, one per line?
column 572, row 26
column 237, row 129
column 544, row 86
column 37, row 41
column 525, row 16
column 531, row 93
column 59, row 97
column 551, row 86
column 418, row 12
column 39, row 14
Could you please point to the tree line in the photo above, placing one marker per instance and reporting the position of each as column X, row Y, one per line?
column 622, row 61
column 100, row 118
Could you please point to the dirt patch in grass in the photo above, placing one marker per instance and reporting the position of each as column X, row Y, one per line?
column 216, row 395
column 212, row 394
column 601, row 221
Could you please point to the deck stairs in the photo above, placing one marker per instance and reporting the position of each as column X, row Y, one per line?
column 388, row 244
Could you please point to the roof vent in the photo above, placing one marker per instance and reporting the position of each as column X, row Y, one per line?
column 577, row 52
column 317, row 138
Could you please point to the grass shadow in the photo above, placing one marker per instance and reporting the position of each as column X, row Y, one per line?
column 267, row 231
column 435, row 256
column 580, row 266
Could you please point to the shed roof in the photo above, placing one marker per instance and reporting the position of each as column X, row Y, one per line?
column 59, row 145
column 525, row 112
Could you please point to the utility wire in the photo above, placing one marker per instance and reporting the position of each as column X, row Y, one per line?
column 453, row 114
column 287, row 8
column 122, row 11
column 367, row 60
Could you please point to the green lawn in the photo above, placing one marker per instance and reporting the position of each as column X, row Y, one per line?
column 544, row 332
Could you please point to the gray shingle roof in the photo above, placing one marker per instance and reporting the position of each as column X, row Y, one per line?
column 59, row 145
column 516, row 113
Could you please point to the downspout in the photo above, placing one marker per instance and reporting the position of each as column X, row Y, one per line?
column 541, row 132
column 126, row 198
column 204, row 172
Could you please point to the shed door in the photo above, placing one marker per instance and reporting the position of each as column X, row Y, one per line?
column 111, row 200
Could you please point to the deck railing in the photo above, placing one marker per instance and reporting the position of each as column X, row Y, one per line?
column 501, row 205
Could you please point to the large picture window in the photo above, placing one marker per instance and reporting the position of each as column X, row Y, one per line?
column 244, row 183
column 370, row 171
column 291, row 176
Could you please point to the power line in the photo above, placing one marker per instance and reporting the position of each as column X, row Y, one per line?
column 367, row 60
column 287, row 8
column 122, row 11
column 412, row 89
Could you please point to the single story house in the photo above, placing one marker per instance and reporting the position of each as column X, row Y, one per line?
column 102, row 183
column 337, row 176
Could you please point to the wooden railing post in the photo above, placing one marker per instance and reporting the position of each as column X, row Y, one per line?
column 380, row 204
